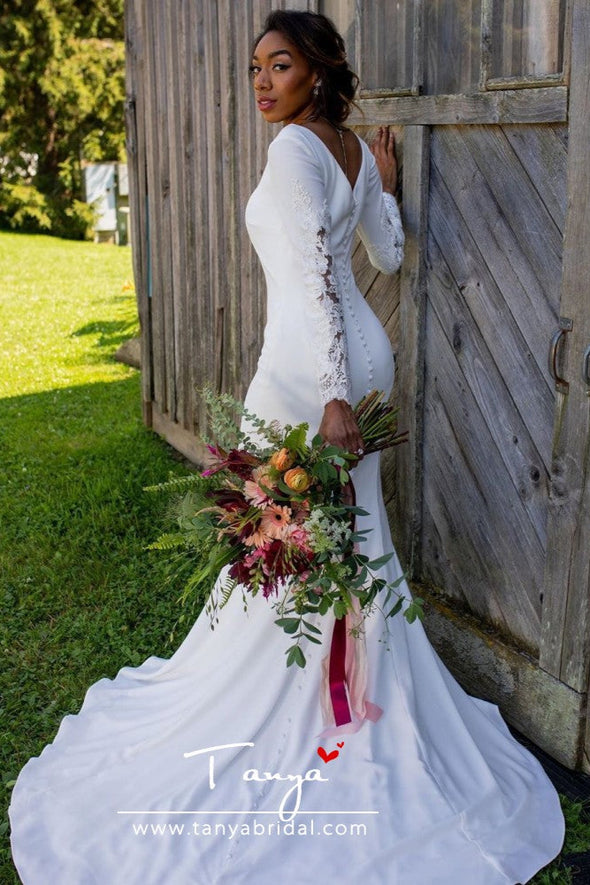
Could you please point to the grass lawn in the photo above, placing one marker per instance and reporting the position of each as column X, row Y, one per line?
column 79, row 596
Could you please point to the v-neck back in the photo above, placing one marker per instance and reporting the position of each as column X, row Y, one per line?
column 328, row 151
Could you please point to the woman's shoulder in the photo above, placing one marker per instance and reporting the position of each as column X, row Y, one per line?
column 295, row 140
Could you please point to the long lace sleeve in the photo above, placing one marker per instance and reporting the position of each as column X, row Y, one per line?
column 297, row 180
column 380, row 225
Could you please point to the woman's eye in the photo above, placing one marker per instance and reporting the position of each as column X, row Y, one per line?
column 253, row 70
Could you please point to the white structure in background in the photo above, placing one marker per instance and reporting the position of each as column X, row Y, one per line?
column 107, row 187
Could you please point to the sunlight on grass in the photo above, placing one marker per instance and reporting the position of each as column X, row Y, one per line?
column 79, row 595
column 63, row 304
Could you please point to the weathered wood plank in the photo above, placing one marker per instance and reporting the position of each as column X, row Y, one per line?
column 522, row 43
column 526, row 82
column 493, row 365
column 184, row 441
column 544, row 157
column 136, row 154
column 548, row 105
column 177, row 144
column 380, row 68
column 229, row 243
column 535, row 703
column 521, row 206
column 154, row 214
column 188, row 89
column 202, row 242
column 451, row 39
column 212, row 132
column 513, row 257
column 475, row 247
column 565, row 650
column 249, row 290
column 463, row 466
column 163, row 54
column 406, row 506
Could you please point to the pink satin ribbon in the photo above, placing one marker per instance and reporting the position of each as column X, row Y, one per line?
column 344, row 679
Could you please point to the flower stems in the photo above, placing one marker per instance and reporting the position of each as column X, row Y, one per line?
column 377, row 421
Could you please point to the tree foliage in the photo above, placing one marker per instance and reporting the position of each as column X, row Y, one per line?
column 62, row 96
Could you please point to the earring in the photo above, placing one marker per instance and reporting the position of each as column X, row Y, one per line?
column 316, row 88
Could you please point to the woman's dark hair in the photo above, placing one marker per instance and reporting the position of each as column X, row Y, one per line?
column 317, row 39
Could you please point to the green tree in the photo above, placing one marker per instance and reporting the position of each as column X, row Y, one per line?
column 62, row 94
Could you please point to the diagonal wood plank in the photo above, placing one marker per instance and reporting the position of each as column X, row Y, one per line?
column 519, row 203
column 462, row 466
column 523, row 466
column 486, row 306
column 383, row 297
column 544, row 157
column 515, row 270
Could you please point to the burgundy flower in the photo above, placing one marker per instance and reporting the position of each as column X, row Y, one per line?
column 231, row 500
column 236, row 461
column 240, row 572
column 281, row 561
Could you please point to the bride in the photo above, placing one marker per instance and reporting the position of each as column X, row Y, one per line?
column 217, row 766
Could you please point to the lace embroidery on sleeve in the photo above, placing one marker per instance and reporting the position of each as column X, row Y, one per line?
column 390, row 251
column 323, row 302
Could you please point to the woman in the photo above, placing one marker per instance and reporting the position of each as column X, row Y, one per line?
column 204, row 768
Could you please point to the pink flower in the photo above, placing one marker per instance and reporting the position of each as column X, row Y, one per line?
column 275, row 520
column 263, row 476
column 254, row 494
column 298, row 537
column 258, row 538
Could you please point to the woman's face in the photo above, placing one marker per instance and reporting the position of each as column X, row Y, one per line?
column 283, row 80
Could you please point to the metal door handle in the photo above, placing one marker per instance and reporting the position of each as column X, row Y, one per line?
column 586, row 369
column 565, row 325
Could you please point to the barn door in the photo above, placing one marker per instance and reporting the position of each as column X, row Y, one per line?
column 477, row 91
column 565, row 644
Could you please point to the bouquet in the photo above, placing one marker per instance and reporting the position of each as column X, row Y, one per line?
column 280, row 518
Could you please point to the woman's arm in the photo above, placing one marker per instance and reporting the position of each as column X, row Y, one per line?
column 297, row 179
column 380, row 225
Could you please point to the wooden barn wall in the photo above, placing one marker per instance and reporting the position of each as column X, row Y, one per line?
column 197, row 147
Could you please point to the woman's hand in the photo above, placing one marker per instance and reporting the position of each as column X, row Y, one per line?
column 339, row 427
column 383, row 149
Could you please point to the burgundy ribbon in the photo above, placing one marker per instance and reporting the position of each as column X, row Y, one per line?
column 344, row 677
column 338, row 695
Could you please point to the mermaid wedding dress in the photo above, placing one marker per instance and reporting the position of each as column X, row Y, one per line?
column 204, row 769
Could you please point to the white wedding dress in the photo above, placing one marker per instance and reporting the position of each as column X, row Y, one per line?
column 436, row 792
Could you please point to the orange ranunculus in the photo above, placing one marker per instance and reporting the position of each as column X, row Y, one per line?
column 282, row 460
column 297, row 479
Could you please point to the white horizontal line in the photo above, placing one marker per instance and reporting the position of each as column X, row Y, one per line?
column 286, row 811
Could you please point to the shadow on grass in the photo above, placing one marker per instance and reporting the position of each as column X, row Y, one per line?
column 80, row 597
column 111, row 333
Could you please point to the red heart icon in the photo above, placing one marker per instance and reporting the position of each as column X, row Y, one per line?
column 340, row 744
column 327, row 756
